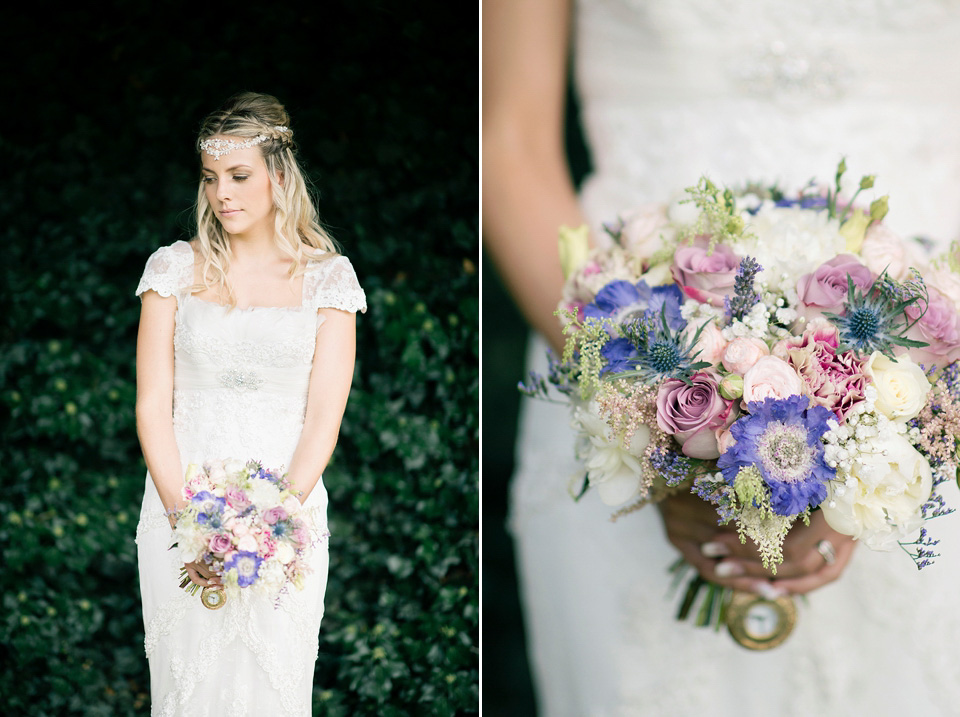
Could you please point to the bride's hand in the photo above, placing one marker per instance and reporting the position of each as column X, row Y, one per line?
column 201, row 574
column 717, row 554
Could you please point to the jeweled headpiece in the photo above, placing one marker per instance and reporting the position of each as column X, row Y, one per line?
column 216, row 148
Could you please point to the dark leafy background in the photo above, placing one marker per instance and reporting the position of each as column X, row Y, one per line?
column 101, row 103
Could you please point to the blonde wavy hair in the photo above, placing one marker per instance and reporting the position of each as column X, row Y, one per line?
column 297, row 229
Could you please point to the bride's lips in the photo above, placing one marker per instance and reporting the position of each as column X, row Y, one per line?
column 229, row 212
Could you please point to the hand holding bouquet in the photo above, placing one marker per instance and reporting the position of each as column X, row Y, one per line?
column 246, row 526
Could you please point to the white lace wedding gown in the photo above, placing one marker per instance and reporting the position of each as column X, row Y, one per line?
column 240, row 389
column 669, row 90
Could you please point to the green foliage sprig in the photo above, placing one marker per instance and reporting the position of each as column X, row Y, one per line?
column 718, row 218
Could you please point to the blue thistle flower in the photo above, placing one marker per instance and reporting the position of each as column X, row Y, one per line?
column 661, row 353
column 875, row 319
column 781, row 437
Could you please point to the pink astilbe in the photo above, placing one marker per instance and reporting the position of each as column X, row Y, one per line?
column 626, row 407
column 939, row 425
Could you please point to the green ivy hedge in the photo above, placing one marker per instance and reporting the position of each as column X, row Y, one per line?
column 84, row 202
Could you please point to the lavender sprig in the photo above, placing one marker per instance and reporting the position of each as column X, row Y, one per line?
column 744, row 294
column 923, row 554
column 713, row 488
column 672, row 466
column 561, row 376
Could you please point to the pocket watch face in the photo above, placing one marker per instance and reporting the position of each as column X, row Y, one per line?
column 758, row 623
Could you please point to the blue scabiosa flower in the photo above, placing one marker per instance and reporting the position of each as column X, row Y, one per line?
column 781, row 438
column 666, row 300
column 620, row 301
column 247, row 566
column 209, row 508
column 620, row 354
column 875, row 319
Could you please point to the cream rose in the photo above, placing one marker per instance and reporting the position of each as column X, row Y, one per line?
column 901, row 385
column 248, row 543
column 285, row 553
column 771, row 377
column 291, row 504
column 742, row 353
column 642, row 227
column 880, row 499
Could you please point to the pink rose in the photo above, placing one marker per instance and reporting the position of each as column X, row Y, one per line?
column 711, row 344
column 770, row 377
column 219, row 543
column 939, row 327
column 273, row 515
column 882, row 249
column 947, row 281
column 691, row 413
column 302, row 536
column 742, row 353
column 725, row 440
column 237, row 499
column 704, row 277
column 825, row 289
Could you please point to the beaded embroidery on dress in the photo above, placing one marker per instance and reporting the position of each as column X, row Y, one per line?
column 741, row 90
column 240, row 390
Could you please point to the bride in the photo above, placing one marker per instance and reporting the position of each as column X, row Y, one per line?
column 737, row 90
column 245, row 351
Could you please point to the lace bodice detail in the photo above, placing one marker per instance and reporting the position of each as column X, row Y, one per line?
column 241, row 375
column 772, row 91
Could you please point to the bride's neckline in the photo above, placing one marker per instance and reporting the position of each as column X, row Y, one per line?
column 246, row 309
column 292, row 307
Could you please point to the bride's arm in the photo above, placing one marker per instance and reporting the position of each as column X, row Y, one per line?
column 330, row 381
column 155, row 397
column 527, row 190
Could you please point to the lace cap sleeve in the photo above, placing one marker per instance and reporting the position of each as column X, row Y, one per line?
column 332, row 283
column 169, row 269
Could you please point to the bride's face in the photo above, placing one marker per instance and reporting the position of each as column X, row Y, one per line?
column 238, row 188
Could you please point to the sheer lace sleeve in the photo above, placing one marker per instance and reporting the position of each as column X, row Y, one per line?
column 169, row 270
column 332, row 283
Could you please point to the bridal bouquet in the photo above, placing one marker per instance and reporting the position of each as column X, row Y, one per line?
column 775, row 354
column 245, row 523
